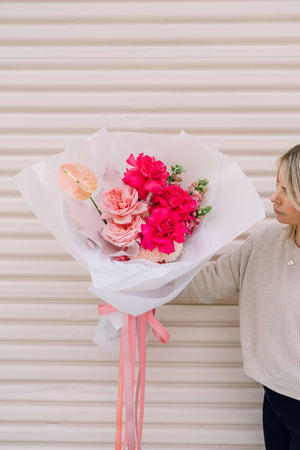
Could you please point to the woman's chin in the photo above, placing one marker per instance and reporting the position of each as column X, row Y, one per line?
column 281, row 219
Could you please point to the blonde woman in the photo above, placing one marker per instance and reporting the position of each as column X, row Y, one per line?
column 265, row 271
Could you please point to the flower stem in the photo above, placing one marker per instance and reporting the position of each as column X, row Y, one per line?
column 93, row 201
column 95, row 204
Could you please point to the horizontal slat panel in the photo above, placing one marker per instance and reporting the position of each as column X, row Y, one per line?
column 22, row 145
column 104, row 373
column 84, row 333
column 152, row 434
column 153, row 33
column 42, row 268
column 62, row 446
column 37, row 290
column 68, row 446
column 91, row 353
column 148, row 101
column 150, row 80
column 14, row 206
column 26, row 227
column 244, row 52
column 105, row 11
column 45, row 249
column 66, row 392
column 151, row 62
column 193, row 414
column 171, row 123
column 11, row 165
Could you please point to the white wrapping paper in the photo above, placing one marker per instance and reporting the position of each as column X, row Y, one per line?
column 137, row 286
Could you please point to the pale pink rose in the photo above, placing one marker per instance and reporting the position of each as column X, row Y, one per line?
column 120, row 204
column 123, row 235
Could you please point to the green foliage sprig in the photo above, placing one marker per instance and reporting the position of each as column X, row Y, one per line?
column 175, row 172
column 201, row 185
column 201, row 212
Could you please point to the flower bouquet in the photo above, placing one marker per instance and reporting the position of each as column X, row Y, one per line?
column 132, row 208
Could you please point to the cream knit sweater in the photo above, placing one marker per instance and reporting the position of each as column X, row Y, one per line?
column 265, row 271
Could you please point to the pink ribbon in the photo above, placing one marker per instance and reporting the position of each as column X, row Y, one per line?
column 134, row 415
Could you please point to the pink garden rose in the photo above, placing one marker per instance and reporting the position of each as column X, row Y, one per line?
column 123, row 235
column 120, row 204
column 177, row 199
column 162, row 228
column 148, row 174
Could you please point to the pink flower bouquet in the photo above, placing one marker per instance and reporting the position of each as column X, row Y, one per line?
column 139, row 285
column 133, row 223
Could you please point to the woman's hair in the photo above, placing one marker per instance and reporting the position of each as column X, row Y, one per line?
column 290, row 164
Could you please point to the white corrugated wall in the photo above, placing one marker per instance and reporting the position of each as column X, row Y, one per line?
column 227, row 70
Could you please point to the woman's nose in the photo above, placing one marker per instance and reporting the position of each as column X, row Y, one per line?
column 275, row 197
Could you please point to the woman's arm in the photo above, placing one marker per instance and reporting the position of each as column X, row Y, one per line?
column 219, row 279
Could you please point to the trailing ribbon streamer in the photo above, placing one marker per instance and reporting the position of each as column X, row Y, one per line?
column 134, row 415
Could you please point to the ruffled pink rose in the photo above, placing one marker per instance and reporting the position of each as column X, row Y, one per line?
column 123, row 235
column 179, row 200
column 120, row 204
column 162, row 228
column 148, row 174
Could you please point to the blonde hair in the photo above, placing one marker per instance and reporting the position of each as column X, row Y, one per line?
column 290, row 164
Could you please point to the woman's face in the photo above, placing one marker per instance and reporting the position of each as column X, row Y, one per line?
column 284, row 210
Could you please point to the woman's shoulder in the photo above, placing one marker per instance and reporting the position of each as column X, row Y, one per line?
column 267, row 232
column 265, row 239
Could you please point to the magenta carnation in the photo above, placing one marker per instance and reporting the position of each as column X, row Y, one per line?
column 147, row 175
column 177, row 199
column 162, row 228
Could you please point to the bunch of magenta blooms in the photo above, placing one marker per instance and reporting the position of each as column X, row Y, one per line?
column 142, row 213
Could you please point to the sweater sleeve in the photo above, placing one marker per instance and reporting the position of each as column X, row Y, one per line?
column 219, row 279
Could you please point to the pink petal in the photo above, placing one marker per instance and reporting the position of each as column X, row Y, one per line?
column 133, row 178
column 122, row 219
column 131, row 160
column 152, row 186
column 140, row 208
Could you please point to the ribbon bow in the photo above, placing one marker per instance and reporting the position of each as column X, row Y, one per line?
column 132, row 327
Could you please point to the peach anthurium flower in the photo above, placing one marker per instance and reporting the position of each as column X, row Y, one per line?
column 77, row 180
